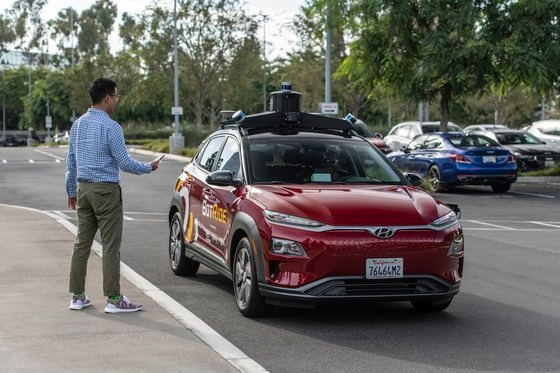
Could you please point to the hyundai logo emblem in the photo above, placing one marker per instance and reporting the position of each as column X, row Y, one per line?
column 383, row 232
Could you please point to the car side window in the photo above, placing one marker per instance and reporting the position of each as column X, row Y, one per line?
column 414, row 132
column 433, row 142
column 208, row 156
column 417, row 143
column 229, row 158
column 403, row 131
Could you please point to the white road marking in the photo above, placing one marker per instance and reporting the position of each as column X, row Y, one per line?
column 57, row 158
column 491, row 225
column 215, row 341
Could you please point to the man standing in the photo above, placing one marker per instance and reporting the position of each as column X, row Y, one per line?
column 96, row 154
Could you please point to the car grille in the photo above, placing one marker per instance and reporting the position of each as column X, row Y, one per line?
column 383, row 287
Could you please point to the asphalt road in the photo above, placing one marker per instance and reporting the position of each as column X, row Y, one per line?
column 505, row 319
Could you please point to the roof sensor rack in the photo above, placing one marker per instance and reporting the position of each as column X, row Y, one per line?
column 285, row 113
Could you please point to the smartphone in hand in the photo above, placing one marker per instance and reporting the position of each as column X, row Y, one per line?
column 160, row 157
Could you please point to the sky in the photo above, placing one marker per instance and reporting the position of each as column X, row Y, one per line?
column 279, row 12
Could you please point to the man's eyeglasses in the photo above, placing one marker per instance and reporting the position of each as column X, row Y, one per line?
column 116, row 96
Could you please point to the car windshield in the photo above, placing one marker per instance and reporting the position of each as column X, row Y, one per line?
column 517, row 138
column 308, row 160
column 363, row 130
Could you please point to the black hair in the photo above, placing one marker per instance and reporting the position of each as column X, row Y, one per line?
column 100, row 88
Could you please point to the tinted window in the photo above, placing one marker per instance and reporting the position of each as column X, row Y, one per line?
column 433, row 142
column 306, row 160
column 207, row 157
column 465, row 141
column 229, row 158
column 362, row 129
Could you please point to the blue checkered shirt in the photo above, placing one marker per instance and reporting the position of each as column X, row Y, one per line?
column 96, row 152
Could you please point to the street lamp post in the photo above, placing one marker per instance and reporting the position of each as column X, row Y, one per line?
column 176, row 141
column 73, row 118
column 264, row 19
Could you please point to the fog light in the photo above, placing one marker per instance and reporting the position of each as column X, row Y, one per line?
column 286, row 247
column 457, row 245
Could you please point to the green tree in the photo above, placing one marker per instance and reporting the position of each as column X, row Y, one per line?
column 210, row 33
column 441, row 48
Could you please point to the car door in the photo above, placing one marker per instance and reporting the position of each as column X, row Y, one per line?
column 196, row 191
column 422, row 151
column 405, row 160
column 219, row 203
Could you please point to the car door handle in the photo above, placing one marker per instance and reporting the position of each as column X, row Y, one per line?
column 209, row 195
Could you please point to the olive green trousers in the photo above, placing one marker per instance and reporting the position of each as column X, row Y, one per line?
column 99, row 207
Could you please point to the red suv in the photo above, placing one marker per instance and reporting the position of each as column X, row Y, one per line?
column 298, row 210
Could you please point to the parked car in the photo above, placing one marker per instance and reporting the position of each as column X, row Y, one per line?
column 547, row 130
column 9, row 140
column 529, row 152
column 485, row 127
column 454, row 158
column 375, row 138
column 403, row 133
column 61, row 137
column 298, row 210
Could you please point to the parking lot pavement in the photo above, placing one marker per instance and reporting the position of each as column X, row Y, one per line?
column 38, row 332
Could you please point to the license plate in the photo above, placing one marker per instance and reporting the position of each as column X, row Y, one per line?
column 549, row 162
column 384, row 268
column 489, row 159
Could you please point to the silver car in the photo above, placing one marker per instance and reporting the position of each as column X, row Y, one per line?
column 547, row 130
column 403, row 133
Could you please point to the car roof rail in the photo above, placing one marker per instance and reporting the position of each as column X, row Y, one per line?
column 286, row 114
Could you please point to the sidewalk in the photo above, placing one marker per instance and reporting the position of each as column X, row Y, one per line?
column 38, row 333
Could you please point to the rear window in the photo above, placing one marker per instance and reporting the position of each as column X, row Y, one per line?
column 465, row 141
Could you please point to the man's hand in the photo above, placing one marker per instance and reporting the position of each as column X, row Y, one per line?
column 155, row 163
column 72, row 203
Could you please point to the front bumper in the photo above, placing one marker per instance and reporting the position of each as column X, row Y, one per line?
column 355, row 288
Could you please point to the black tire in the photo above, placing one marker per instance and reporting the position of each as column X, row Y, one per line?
column 430, row 306
column 434, row 179
column 245, row 282
column 179, row 263
column 501, row 188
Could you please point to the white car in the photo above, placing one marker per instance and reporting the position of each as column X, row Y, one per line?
column 485, row 127
column 60, row 138
column 547, row 130
column 403, row 133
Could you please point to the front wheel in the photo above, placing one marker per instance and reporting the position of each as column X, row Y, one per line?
column 434, row 179
column 179, row 263
column 501, row 188
column 245, row 283
column 430, row 305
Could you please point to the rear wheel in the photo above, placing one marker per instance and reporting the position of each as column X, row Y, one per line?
column 434, row 179
column 245, row 283
column 179, row 263
column 501, row 188
column 431, row 306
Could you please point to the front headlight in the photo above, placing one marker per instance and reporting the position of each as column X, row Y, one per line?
column 447, row 219
column 286, row 247
column 277, row 217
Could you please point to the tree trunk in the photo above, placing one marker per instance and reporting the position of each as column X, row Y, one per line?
column 445, row 98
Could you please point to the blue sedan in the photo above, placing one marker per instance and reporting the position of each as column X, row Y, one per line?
column 455, row 158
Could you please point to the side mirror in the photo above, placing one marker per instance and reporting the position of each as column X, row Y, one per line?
column 455, row 209
column 415, row 179
column 223, row 178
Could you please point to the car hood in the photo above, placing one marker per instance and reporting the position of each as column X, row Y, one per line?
column 356, row 205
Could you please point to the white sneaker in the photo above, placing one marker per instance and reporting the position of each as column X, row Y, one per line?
column 79, row 303
column 122, row 305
